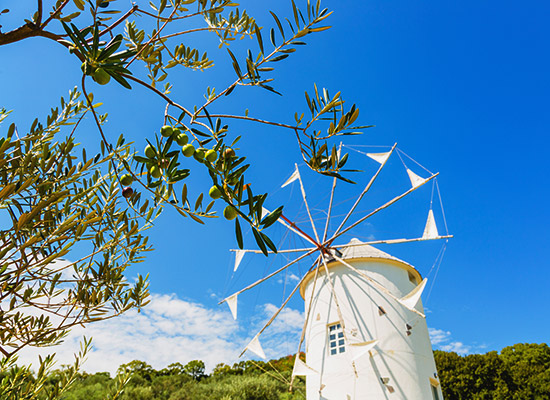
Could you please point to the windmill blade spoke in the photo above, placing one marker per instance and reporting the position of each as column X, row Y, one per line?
column 289, row 225
column 331, row 199
column 367, row 188
column 279, row 310
column 390, row 241
column 278, row 251
column 329, row 209
column 377, row 285
column 386, row 205
column 307, row 206
column 306, row 320
column 270, row 275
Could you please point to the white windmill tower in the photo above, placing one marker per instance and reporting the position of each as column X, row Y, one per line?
column 365, row 331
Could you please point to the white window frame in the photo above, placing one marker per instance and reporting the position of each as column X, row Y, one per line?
column 434, row 384
column 335, row 339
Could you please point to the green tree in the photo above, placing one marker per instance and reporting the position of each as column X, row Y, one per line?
column 195, row 369
column 93, row 206
column 528, row 366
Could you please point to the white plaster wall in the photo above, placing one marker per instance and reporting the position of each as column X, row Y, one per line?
column 406, row 360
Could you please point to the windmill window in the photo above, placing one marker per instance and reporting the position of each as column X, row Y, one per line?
column 434, row 385
column 336, row 343
column 435, row 393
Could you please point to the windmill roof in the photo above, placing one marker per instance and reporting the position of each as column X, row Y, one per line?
column 357, row 249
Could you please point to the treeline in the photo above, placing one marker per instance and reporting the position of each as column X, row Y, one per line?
column 519, row 372
column 246, row 380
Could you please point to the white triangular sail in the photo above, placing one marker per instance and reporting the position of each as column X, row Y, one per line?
column 295, row 175
column 302, row 369
column 239, row 254
column 255, row 347
column 411, row 300
column 415, row 179
column 379, row 157
column 363, row 348
column 232, row 303
column 430, row 231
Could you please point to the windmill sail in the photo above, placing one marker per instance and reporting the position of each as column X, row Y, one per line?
column 239, row 254
column 363, row 348
column 411, row 300
column 430, row 231
column 302, row 369
column 232, row 303
column 415, row 179
column 379, row 157
column 255, row 347
column 295, row 175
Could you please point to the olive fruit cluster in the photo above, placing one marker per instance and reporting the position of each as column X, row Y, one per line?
column 201, row 154
column 230, row 212
column 126, row 181
column 98, row 74
column 188, row 149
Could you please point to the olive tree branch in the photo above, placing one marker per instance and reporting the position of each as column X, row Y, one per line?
column 26, row 31
column 251, row 119
column 157, row 33
column 39, row 17
column 165, row 200
column 265, row 59
column 55, row 13
column 118, row 21
column 175, row 18
column 210, row 29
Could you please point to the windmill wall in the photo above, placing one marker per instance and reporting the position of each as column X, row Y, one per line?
column 400, row 366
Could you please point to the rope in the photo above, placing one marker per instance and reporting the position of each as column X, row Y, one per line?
column 432, row 196
column 442, row 210
column 442, row 252
column 284, row 380
column 402, row 161
column 416, row 162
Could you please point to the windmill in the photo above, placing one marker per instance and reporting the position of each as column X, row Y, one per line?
column 364, row 331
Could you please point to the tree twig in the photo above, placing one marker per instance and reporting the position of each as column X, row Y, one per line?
column 54, row 14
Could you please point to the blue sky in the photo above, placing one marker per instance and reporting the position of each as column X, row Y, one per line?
column 462, row 87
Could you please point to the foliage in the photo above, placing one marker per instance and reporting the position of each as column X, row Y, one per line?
column 93, row 209
column 248, row 380
column 519, row 372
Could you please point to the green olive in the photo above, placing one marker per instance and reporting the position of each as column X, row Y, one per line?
column 101, row 77
column 188, row 150
column 166, row 131
column 149, row 151
column 211, row 155
column 230, row 212
column 214, row 192
column 126, row 180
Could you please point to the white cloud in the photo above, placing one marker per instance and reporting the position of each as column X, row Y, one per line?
column 457, row 347
column 438, row 336
column 170, row 329
column 288, row 320
column 289, row 278
column 442, row 340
